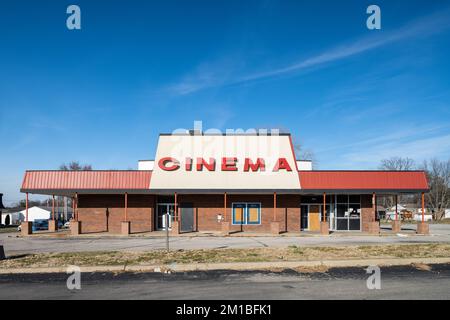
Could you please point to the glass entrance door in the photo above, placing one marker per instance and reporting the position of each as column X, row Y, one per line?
column 304, row 217
column 312, row 214
column 348, row 212
column 162, row 210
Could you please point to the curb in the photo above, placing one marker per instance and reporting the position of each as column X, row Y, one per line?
column 247, row 266
column 47, row 236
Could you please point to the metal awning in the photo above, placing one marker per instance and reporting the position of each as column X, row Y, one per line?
column 363, row 181
column 54, row 182
column 59, row 182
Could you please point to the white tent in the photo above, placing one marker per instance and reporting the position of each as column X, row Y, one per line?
column 11, row 218
column 34, row 213
column 447, row 213
column 399, row 208
column 37, row 213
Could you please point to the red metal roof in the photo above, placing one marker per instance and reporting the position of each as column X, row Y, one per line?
column 363, row 180
column 86, row 180
column 35, row 181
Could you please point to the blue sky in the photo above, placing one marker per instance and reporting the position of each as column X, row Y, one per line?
column 101, row 95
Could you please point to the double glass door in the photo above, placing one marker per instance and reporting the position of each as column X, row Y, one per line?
column 161, row 220
column 348, row 212
column 311, row 216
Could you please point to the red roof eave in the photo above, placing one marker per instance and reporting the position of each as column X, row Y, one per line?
column 139, row 180
column 364, row 180
column 86, row 180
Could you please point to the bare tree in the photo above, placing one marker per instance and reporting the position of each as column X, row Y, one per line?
column 438, row 174
column 301, row 153
column 75, row 166
column 72, row 166
column 395, row 164
column 398, row 164
column 31, row 203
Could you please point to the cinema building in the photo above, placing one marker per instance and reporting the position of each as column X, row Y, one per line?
column 224, row 184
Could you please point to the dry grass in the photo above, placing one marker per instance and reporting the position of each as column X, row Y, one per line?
column 291, row 253
column 443, row 221
column 8, row 229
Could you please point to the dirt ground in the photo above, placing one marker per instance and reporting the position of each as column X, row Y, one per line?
column 291, row 253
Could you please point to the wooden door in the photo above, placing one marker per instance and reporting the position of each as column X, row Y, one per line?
column 314, row 218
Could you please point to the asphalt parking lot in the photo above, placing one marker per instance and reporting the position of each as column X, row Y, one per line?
column 340, row 283
column 14, row 245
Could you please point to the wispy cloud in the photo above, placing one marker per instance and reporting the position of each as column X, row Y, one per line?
column 417, row 149
column 207, row 75
column 218, row 75
column 416, row 141
column 398, row 135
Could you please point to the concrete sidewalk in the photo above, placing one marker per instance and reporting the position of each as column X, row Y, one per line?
column 241, row 266
column 14, row 245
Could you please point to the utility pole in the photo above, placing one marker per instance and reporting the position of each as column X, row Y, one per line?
column 167, row 231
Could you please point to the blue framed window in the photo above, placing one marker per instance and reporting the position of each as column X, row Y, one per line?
column 246, row 213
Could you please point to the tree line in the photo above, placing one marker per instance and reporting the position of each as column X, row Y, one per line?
column 438, row 175
column 71, row 166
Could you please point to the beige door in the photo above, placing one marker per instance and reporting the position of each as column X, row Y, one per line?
column 314, row 218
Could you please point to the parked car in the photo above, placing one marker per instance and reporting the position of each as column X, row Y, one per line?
column 67, row 224
column 40, row 224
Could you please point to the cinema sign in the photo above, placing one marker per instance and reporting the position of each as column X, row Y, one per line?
column 218, row 162
column 226, row 164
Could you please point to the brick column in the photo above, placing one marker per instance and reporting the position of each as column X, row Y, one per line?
column 374, row 226
column 396, row 227
column 125, row 224
column 52, row 223
column 324, row 226
column 26, row 226
column 176, row 221
column 275, row 225
column 125, row 228
column 225, row 224
column 422, row 226
column 75, row 227
column 175, row 228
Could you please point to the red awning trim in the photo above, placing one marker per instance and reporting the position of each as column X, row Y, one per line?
column 364, row 180
column 86, row 180
column 139, row 180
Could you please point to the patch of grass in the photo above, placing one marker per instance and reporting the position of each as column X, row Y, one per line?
column 443, row 221
column 8, row 229
column 291, row 253
column 296, row 250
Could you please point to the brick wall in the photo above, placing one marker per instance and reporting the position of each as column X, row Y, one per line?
column 104, row 213
column 367, row 213
column 207, row 207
